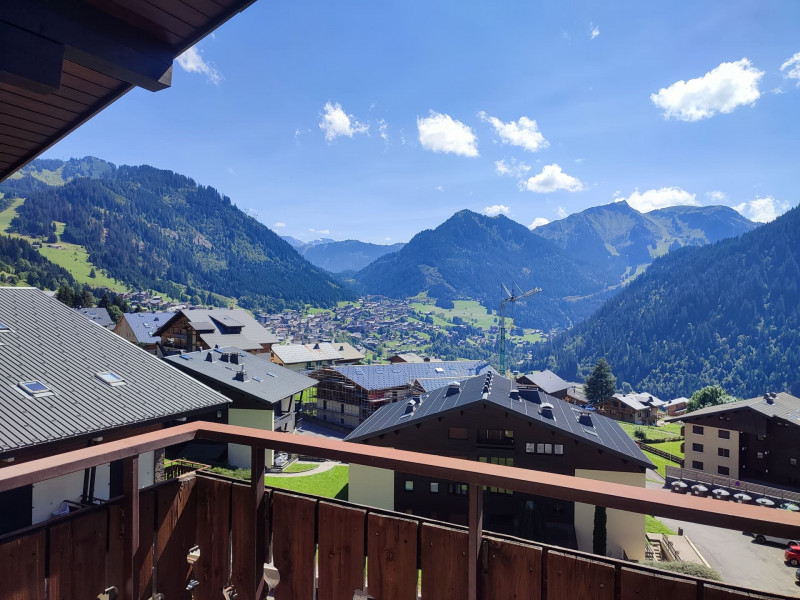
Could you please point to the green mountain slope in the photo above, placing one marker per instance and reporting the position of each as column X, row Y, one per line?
column 470, row 255
column 725, row 314
column 157, row 229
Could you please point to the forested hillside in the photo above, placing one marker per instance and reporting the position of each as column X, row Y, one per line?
column 726, row 314
column 156, row 229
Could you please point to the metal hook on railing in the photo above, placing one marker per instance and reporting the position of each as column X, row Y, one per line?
column 229, row 592
column 362, row 595
column 110, row 593
column 271, row 576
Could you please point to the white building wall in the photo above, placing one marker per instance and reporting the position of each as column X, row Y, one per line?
column 371, row 486
column 625, row 530
column 711, row 443
column 239, row 455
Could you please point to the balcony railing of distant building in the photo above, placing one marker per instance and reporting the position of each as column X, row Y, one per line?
column 213, row 534
column 180, row 467
column 756, row 490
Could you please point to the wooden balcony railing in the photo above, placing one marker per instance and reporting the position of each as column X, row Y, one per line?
column 139, row 543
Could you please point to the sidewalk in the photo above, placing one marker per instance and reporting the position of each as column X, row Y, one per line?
column 321, row 468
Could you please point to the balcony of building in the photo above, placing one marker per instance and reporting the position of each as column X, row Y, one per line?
column 205, row 537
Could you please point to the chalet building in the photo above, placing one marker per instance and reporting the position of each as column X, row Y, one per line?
column 140, row 328
column 544, row 381
column 639, row 409
column 348, row 395
column 308, row 357
column 487, row 419
column 407, row 357
column 755, row 439
column 75, row 386
column 576, row 395
column 675, row 407
column 97, row 315
column 198, row 329
column 263, row 395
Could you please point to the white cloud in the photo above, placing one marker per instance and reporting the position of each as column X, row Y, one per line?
column 383, row 130
column 562, row 214
column 722, row 89
column 322, row 231
column 716, row 196
column 660, row 198
column 512, row 168
column 439, row 188
column 335, row 123
column 279, row 225
column 387, row 239
column 496, row 209
column 791, row 68
column 594, row 31
column 192, row 61
column 538, row 222
column 523, row 132
column 762, row 210
column 442, row 133
column 552, row 179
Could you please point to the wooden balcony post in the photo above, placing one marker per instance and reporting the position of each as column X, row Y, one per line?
column 130, row 542
column 257, row 465
column 475, row 538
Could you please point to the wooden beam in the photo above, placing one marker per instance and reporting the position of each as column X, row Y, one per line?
column 95, row 39
column 29, row 61
column 475, row 538
column 130, row 544
column 258, row 513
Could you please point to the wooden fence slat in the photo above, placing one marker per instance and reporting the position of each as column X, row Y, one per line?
column 392, row 552
column 177, row 518
column 293, row 545
column 444, row 557
column 114, row 576
column 213, row 509
column 636, row 585
column 78, row 557
column 143, row 561
column 575, row 578
column 510, row 570
column 22, row 567
column 248, row 559
column 341, row 551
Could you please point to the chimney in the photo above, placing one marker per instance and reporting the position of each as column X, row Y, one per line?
column 225, row 357
column 235, row 358
column 546, row 410
column 210, row 357
column 514, row 393
column 241, row 375
column 453, row 388
column 411, row 406
column 585, row 418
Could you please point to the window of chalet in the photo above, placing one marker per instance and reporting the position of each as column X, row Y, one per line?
column 793, row 462
column 723, row 452
column 409, row 485
column 541, row 448
column 697, row 447
column 496, row 437
column 698, row 429
column 458, row 433
column 434, row 487
column 497, row 460
column 723, row 470
column 696, row 464
column 724, row 434
column 458, row 489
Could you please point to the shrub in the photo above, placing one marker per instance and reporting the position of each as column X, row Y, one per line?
column 685, row 568
column 640, row 434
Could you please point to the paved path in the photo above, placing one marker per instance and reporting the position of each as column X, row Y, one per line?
column 737, row 558
column 321, row 468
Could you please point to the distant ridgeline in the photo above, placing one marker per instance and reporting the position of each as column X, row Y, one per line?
column 153, row 229
column 726, row 314
column 579, row 262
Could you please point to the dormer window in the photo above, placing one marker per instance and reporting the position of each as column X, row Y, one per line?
column 110, row 378
column 35, row 388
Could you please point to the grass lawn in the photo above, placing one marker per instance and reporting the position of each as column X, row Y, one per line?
column 653, row 525
column 299, row 467
column 9, row 213
column 667, row 432
column 671, row 447
column 75, row 259
column 328, row 484
column 659, row 462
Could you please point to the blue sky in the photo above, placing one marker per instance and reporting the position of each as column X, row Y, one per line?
column 376, row 120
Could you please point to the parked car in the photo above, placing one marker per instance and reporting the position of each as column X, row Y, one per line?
column 797, row 576
column 792, row 555
column 763, row 539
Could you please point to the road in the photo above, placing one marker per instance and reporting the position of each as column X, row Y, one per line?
column 738, row 559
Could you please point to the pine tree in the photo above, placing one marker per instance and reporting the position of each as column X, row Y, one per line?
column 601, row 383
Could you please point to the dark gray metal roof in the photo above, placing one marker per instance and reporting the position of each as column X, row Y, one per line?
column 546, row 380
column 782, row 405
column 49, row 342
column 383, row 377
column 145, row 324
column 266, row 381
column 97, row 315
column 220, row 327
column 598, row 431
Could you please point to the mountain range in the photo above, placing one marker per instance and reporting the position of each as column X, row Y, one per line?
column 579, row 262
column 155, row 229
column 340, row 257
column 727, row 314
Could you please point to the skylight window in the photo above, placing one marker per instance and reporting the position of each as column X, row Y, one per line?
column 4, row 327
column 35, row 388
column 110, row 378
